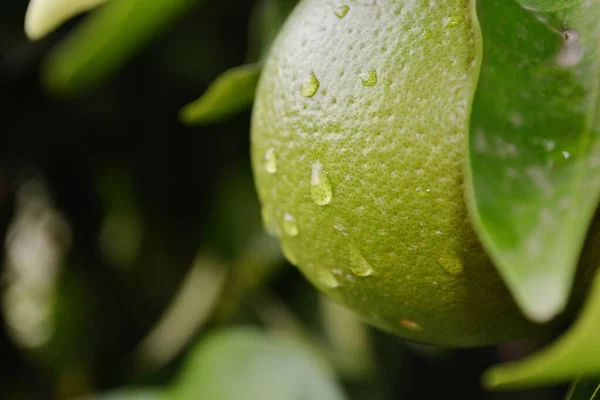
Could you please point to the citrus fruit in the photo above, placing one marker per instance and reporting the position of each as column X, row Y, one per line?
column 359, row 133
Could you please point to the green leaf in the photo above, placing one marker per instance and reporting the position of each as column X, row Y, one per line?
column 244, row 363
column 548, row 5
column 584, row 390
column 231, row 92
column 43, row 16
column 106, row 40
column 534, row 151
column 576, row 354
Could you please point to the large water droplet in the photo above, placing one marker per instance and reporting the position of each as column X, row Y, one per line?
column 342, row 11
column 358, row 265
column 290, row 226
column 271, row 161
column 320, row 188
column 310, row 86
column 452, row 266
column 327, row 279
column 369, row 78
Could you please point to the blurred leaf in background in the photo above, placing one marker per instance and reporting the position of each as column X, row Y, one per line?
column 573, row 355
column 108, row 37
column 245, row 363
column 43, row 16
column 186, row 314
column 128, row 394
column 584, row 389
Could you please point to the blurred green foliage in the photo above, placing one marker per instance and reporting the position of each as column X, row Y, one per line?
column 245, row 363
column 584, row 389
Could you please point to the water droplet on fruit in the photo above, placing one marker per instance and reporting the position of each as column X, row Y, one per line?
column 452, row 266
column 339, row 227
column 410, row 324
column 342, row 11
column 454, row 20
column 358, row 265
column 566, row 155
column 271, row 161
column 327, row 279
column 290, row 226
column 423, row 192
column 369, row 78
column 320, row 188
column 310, row 86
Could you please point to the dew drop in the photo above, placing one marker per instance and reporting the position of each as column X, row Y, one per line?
column 369, row 78
column 423, row 192
column 320, row 188
column 358, row 265
column 451, row 266
column 454, row 20
column 290, row 226
column 339, row 227
column 327, row 279
column 310, row 86
column 271, row 161
column 342, row 11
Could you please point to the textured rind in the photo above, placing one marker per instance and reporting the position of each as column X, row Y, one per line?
column 394, row 154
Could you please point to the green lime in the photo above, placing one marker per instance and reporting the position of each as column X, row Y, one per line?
column 358, row 148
